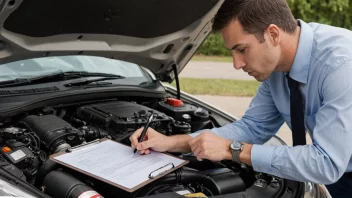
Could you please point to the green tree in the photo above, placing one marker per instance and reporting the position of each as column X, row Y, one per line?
column 214, row 46
column 333, row 12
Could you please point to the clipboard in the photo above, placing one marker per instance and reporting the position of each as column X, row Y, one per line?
column 153, row 175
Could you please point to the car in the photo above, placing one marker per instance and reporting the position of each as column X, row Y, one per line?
column 72, row 72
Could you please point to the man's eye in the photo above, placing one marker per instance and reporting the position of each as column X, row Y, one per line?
column 242, row 50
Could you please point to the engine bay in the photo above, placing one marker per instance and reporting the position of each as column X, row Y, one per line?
column 27, row 140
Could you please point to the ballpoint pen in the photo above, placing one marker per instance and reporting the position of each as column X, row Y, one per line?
column 144, row 131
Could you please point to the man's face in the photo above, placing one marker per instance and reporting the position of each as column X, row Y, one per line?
column 258, row 59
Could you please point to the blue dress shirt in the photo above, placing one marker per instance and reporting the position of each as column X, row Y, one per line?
column 323, row 66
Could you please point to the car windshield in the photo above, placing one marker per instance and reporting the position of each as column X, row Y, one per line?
column 43, row 66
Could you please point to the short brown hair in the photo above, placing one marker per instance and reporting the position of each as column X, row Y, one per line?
column 256, row 15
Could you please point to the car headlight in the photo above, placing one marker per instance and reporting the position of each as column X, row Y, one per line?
column 316, row 191
column 10, row 191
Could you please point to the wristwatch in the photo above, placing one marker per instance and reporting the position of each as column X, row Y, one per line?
column 236, row 148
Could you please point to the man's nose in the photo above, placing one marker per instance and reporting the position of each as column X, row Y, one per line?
column 238, row 63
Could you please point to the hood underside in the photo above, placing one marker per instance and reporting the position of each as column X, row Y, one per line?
column 155, row 34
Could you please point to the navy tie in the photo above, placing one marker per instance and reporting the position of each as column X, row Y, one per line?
column 297, row 115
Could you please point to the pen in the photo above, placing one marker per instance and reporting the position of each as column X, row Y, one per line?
column 144, row 131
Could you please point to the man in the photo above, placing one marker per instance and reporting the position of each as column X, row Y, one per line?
column 305, row 67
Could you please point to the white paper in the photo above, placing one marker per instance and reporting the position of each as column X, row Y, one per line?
column 113, row 161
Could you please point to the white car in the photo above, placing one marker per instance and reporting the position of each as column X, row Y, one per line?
column 75, row 71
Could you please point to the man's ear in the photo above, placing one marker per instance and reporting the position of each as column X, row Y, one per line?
column 274, row 34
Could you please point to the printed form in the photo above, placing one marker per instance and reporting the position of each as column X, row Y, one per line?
column 113, row 161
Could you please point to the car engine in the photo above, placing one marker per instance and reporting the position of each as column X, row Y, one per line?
column 29, row 139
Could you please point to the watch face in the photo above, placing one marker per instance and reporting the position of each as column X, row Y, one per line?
column 236, row 145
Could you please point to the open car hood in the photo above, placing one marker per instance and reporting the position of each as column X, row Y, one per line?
column 155, row 34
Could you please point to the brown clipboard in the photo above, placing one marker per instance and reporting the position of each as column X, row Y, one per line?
column 52, row 157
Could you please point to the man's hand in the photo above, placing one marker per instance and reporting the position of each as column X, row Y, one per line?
column 152, row 140
column 209, row 146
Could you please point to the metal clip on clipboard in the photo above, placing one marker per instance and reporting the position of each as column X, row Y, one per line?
column 161, row 170
column 84, row 145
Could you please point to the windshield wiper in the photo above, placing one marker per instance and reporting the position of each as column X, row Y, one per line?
column 86, row 82
column 56, row 77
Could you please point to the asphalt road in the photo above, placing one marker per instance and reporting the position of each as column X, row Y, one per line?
column 222, row 70
column 233, row 105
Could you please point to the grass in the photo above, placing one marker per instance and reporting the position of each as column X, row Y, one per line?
column 220, row 87
column 212, row 58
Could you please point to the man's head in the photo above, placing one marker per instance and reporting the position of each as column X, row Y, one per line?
column 254, row 31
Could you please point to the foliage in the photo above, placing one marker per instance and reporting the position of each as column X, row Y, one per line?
column 333, row 12
column 214, row 46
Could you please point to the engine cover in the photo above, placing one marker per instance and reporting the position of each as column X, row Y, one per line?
column 52, row 130
column 121, row 118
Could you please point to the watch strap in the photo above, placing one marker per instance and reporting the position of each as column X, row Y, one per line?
column 236, row 156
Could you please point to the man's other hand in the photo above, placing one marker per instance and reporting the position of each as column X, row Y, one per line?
column 209, row 146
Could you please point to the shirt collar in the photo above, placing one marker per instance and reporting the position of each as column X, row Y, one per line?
column 300, row 67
